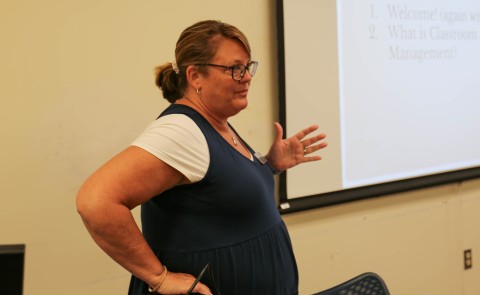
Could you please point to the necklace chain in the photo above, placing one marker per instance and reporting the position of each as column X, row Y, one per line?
column 234, row 138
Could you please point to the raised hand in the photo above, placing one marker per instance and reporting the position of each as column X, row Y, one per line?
column 287, row 153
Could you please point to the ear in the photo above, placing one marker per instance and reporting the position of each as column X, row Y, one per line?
column 194, row 77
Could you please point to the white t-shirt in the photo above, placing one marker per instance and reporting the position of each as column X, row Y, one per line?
column 176, row 140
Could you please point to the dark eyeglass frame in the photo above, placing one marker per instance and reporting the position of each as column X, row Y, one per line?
column 199, row 277
column 251, row 67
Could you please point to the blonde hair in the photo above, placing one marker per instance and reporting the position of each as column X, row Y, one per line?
column 196, row 45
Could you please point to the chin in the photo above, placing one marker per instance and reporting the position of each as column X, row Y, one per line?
column 244, row 103
column 240, row 105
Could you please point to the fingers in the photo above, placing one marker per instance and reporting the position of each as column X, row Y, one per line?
column 202, row 289
column 311, row 159
column 300, row 135
column 311, row 149
column 310, row 146
column 178, row 283
column 198, row 287
column 312, row 140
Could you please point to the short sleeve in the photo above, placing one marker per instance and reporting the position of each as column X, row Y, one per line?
column 178, row 141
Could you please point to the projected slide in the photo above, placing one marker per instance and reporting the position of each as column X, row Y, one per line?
column 393, row 83
column 409, row 88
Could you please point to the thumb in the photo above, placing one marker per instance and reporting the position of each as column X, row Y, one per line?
column 278, row 131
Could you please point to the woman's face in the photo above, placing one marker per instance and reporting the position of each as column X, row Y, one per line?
column 223, row 96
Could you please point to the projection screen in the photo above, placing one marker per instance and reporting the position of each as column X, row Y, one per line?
column 393, row 84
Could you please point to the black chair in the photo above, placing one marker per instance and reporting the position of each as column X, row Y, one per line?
column 365, row 284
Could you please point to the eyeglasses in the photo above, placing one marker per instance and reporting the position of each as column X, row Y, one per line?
column 199, row 277
column 238, row 71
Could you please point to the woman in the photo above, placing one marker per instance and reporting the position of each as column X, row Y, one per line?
column 206, row 196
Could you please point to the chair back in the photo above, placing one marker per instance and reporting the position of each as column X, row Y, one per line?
column 365, row 284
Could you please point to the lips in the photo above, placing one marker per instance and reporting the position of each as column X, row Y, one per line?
column 243, row 92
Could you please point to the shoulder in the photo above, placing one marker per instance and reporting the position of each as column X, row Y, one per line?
column 177, row 121
column 178, row 141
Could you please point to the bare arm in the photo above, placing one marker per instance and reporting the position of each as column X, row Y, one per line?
column 104, row 203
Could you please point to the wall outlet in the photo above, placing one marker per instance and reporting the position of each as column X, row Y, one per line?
column 467, row 259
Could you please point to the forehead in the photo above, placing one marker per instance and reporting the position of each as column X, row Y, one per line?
column 231, row 51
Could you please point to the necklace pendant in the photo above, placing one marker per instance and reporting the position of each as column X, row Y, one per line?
column 235, row 142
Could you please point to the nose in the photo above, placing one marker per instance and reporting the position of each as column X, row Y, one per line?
column 246, row 77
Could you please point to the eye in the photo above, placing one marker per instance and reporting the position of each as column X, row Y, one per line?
column 237, row 68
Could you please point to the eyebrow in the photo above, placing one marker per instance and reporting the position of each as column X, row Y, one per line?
column 239, row 62
column 235, row 62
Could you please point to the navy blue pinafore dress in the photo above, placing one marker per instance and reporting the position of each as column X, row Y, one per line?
column 228, row 219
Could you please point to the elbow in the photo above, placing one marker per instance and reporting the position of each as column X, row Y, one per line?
column 86, row 204
column 82, row 203
column 94, row 205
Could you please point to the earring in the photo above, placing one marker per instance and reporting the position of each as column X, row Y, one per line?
column 198, row 91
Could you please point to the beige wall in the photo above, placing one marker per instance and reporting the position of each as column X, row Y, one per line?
column 77, row 87
column 414, row 240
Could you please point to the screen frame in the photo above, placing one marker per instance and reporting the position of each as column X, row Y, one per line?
column 287, row 205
